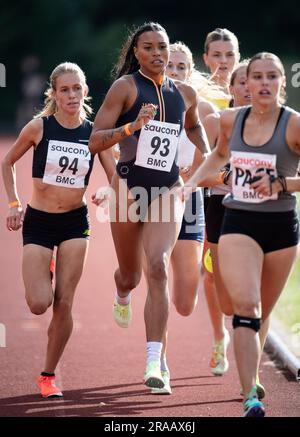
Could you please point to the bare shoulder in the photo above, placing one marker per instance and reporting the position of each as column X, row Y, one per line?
column 187, row 90
column 188, row 93
column 227, row 116
column 227, row 119
column 122, row 85
column 212, row 120
column 33, row 131
column 207, row 106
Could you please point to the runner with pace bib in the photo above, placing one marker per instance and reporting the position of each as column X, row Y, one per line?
column 260, row 231
column 144, row 112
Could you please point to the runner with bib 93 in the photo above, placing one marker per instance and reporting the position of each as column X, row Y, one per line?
column 259, row 235
column 143, row 96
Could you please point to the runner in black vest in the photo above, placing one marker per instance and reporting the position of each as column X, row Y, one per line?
column 144, row 112
column 56, row 214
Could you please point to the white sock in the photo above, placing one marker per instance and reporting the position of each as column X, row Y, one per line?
column 163, row 364
column 123, row 300
column 153, row 351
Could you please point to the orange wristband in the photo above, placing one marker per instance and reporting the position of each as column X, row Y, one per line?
column 127, row 130
column 14, row 203
column 221, row 177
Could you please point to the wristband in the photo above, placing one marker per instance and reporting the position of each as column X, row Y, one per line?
column 127, row 130
column 14, row 203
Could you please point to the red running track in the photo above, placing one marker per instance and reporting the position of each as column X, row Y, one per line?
column 102, row 368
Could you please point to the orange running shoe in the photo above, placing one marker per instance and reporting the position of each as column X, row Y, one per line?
column 47, row 386
column 52, row 268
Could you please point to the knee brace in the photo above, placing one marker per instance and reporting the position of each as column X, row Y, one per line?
column 246, row 322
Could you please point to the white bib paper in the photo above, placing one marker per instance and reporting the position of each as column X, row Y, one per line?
column 67, row 164
column 186, row 151
column 157, row 145
column 245, row 166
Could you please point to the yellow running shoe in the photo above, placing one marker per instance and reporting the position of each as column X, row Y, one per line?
column 261, row 392
column 219, row 362
column 260, row 389
column 208, row 261
column 122, row 314
column 166, row 390
column 153, row 377
column 47, row 386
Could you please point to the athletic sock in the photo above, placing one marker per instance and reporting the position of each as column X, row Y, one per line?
column 47, row 374
column 163, row 364
column 123, row 300
column 153, row 351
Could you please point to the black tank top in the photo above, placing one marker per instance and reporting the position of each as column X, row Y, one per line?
column 62, row 157
column 171, row 109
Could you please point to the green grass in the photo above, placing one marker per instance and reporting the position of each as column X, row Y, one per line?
column 287, row 309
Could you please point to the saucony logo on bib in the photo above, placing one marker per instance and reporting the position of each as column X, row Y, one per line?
column 157, row 145
column 69, row 149
column 162, row 129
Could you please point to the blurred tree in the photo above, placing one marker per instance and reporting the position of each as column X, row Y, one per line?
column 91, row 33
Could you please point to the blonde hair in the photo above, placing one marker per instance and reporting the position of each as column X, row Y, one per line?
column 50, row 106
column 221, row 35
column 205, row 88
column 279, row 65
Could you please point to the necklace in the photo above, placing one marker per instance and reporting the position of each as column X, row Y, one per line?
column 260, row 112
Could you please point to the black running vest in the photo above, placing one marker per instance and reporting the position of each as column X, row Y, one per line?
column 62, row 157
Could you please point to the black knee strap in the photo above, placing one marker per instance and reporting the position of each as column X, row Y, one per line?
column 246, row 322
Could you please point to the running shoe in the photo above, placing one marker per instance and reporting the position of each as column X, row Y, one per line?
column 153, row 377
column 47, row 386
column 261, row 392
column 166, row 390
column 52, row 268
column 122, row 314
column 260, row 389
column 219, row 362
column 252, row 406
column 207, row 261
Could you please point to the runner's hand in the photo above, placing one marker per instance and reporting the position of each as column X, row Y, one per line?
column 15, row 218
column 263, row 186
column 147, row 113
column 101, row 196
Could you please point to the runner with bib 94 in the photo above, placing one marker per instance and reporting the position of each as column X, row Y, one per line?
column 57, row 213
column 261, row 140
column 147, row 170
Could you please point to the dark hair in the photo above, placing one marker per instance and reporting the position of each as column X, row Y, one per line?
column 242, row 64
column 279, row 65
column 220, row 35
column 127, row 62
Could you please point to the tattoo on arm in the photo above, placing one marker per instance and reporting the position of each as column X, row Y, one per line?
column 109, row 135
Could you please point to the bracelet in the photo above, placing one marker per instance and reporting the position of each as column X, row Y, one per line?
column 272, row 179
column 14, row 203
column 127, row 130
column 221, row 176
column 282, row 181
column 227, row 175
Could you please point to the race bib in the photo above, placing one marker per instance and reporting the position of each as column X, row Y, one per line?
column 67, row 164
column 157, row 145
column 186, row 151
column 245, row 166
